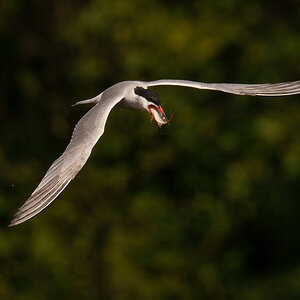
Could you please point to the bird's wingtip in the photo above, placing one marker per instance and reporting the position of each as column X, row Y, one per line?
column 13, row 222
column 16, row 220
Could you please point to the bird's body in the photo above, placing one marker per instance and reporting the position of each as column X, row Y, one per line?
column 131, row 95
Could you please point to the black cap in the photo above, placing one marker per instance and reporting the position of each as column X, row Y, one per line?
column 150, row 95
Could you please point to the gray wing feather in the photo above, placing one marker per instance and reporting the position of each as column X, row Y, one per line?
column 85, row 135
column 277, row 89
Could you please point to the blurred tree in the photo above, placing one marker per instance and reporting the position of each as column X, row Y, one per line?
column 207, row 210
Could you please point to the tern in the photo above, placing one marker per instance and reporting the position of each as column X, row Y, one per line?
column 127, row 94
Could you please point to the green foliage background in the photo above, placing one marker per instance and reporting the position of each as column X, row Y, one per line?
column 209, row 209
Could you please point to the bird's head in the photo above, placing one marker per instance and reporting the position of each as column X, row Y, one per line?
column 150, row 101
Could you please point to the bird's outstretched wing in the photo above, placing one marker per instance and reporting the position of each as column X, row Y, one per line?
column 85, row 135
column 277, row 89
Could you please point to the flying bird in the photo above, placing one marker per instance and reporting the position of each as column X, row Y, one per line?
column 127, row 94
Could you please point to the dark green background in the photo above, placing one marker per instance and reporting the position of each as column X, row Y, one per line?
column 207, row 209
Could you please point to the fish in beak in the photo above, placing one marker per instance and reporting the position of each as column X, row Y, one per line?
column 158, row 114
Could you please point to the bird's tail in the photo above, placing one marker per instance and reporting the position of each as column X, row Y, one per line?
column 91, row 100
